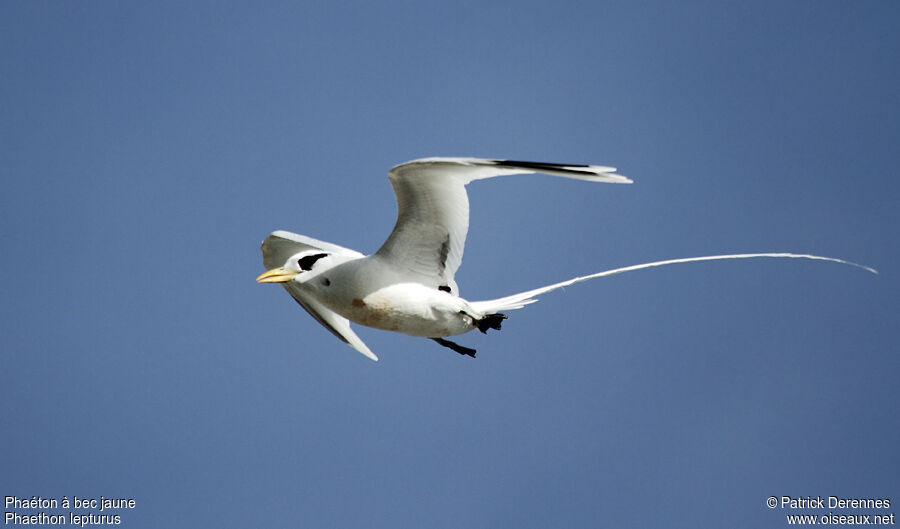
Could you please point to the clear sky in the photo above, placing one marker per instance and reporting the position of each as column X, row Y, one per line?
column 147, row 148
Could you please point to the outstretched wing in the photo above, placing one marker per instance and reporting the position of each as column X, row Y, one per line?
column 337, row 324
column 281, row 245
column 433, row 210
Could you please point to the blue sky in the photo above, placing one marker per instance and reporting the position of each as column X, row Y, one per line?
column 148, row 148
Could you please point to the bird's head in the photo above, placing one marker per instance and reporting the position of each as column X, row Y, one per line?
column 297, row 267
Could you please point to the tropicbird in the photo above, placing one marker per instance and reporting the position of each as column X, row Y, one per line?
column 407, row 285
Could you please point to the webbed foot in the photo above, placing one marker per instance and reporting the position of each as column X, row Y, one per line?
column 491, row 321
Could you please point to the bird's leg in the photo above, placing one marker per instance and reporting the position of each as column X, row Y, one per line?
column 491, row 321
column 456, row 347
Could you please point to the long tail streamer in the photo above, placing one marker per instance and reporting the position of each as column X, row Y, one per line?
column 517, row 301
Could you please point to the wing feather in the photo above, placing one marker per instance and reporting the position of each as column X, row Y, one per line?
column 335, row 323
column 429, row 237
column 280, row 245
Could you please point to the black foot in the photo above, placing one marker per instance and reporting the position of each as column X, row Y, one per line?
column 456, row 347
column 491, row 321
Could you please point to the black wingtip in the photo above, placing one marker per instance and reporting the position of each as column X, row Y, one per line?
column 543, row 166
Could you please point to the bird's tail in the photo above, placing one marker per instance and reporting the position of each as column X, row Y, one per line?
column 517, row 301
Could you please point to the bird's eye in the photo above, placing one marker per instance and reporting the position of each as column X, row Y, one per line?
column 306, row 263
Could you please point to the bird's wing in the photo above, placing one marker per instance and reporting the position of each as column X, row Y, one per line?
column 433, row 210
column 337, row 324
column 281, row 245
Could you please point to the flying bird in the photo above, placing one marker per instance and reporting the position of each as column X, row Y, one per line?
column 407, row 285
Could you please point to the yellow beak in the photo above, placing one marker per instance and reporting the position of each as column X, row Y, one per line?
column 277, row 275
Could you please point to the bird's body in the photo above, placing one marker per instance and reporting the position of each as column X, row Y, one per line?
column 408, row 285
column 368, row 291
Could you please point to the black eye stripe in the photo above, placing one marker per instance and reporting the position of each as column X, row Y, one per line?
column 306, row 263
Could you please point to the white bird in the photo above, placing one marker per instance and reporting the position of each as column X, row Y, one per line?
column 407, row 286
